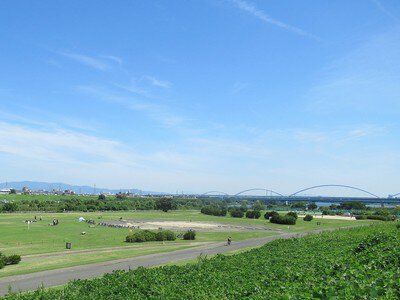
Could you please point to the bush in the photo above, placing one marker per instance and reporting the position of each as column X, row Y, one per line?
column 253, row 214
column 398, row 225
column 308, row 218
column 213, row 210
column 292, row 214
column 9, row 260
column 237, row 213
column 287, row 220
column 150, row 236
column 375, row 217
column 269, row 214
column 165, row 235
column 13, row 259
column 189, row 235
column 10, row 207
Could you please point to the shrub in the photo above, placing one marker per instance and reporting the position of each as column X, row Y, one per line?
column 269, row 214
column 165, row 235
column 213, row 210
column 308, row 218
column 278, row 219
column 141, row 236
column 9, row 260
column 189, row 235
column 237, row 213
column 10, row 207
column 380, row 218
column 292, row 214
column 13, row 259
column 253, row 214
column 398, row 225
column 375, row 217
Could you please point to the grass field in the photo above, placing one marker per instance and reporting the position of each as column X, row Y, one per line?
column 43, row 247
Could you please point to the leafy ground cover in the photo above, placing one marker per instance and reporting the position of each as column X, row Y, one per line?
column 358, row 263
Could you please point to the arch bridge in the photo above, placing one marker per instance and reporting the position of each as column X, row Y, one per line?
column 214, row 193
column 335, row 185
column 258, row 189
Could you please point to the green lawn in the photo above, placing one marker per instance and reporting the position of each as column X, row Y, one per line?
column 109, row 243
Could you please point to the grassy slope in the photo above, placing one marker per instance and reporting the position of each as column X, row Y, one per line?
column 358, row 263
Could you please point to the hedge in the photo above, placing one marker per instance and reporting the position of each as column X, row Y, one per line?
column 287, row 220
column 189, row 235
column 253, row 214
column 269, row 214
column 149, row 236
column 308, row 218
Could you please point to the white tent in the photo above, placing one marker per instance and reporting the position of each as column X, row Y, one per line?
column 81, row 219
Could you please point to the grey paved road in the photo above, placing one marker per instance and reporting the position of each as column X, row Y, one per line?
column 61, row 276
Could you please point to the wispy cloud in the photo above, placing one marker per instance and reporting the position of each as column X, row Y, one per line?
column 261, row 15
column 365, row 80
column 113, row 58
column 157, row 82
column 101, row 62
column 157, row 112
column 383, row 9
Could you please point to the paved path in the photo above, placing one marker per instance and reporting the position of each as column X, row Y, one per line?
column 50, row 278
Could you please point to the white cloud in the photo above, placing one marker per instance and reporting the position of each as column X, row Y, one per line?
column 157, row 82
column 383, row 9
column 113, row 58
column 261, row 15
column 365, row 80
column 157, row 112
column 87, row 60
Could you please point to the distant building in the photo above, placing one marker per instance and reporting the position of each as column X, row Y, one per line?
column 5, row 191
column 26, row 190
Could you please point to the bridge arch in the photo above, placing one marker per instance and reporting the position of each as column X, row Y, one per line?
column 334, row 185
column 258, row 189
column 217, row 193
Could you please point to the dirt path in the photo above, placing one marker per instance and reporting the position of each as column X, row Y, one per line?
column 32, row 257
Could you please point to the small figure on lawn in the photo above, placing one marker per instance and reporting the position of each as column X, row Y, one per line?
column 229, row 241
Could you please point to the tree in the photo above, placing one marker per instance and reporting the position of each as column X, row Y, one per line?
column 312, row 206
column 253, row 214
column 244, row 206
column 10, row 207
column 13, row 191
column 258, row 205
column 164, row 204
column 299, row 205
column 102, row 197
column 237, row 213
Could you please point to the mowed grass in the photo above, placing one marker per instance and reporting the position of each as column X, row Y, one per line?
column 107, row 243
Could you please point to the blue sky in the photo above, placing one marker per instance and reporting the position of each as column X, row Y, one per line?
column 201, row 95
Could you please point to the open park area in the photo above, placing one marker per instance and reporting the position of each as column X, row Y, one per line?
column 43, row 246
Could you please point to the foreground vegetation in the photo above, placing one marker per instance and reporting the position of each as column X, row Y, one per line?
column 360, row 263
